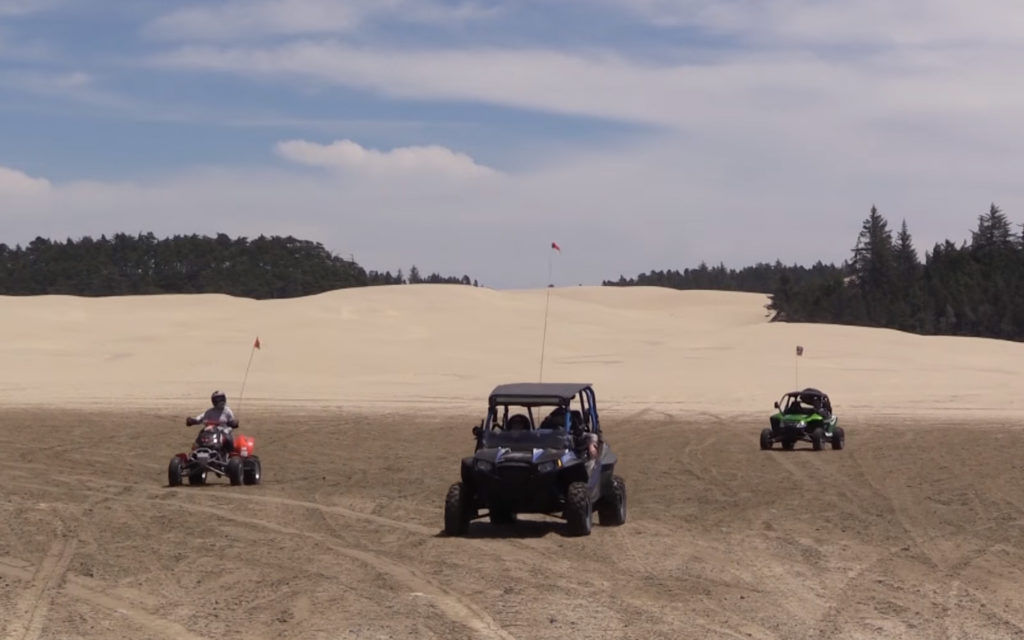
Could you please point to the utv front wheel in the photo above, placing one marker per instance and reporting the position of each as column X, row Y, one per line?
column 818, row 439
column 766, row 439
column 838, row 438
column 174, row 472
column 578, row 510
column 456, row 510
column 611, row 510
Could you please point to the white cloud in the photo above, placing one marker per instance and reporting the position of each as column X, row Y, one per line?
column 348, row 155
column 837, row 23
column 16, row 183
column 254, row 19
column 25, row 7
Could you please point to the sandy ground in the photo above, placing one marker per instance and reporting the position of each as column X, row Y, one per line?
column 361, row 403
column 913, row 531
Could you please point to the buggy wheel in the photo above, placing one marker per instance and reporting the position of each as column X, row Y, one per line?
column 611, row 510
column 788, row 443
column 174, row 472
column 252, row 472
column 766, row 439
column 818, row 438
column 838, row 438
column 578, row 510
column 456, row 510
column 197, row 476
column 234, row 470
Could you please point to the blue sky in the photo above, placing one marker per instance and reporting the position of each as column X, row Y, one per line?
column 465, row 136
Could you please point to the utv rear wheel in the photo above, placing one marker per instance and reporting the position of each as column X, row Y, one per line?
column 766, row 439
column 456, row 510
column 611, row 510
column 818, row 438
column 197, row 477
column 234, row 471
column 838, row 438
column 578, row 510
column 252, row 472
column 174, row 472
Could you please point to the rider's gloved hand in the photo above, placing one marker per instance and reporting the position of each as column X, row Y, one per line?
column 233, row 424
column 190, row 421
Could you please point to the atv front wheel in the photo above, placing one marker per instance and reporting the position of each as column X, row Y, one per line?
column 838, row 438
column 611, row 510
column 766, row 439
column 578, row 510
column 252, row 471
column 456, row 510
column 174, row 472
column 818, row 438
column 234, row 471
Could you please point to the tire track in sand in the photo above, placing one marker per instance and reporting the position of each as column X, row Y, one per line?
column 87, row 590
column 26, row 621
column 450, row 604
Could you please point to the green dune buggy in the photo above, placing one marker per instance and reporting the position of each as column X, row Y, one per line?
column 804, row 415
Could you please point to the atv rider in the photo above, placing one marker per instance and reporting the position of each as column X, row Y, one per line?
column 220, row 414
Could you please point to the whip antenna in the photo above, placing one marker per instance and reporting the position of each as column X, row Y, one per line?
column 252, row 352
column 547, row 301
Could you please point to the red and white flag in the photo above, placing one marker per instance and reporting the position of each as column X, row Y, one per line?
column 554, row 245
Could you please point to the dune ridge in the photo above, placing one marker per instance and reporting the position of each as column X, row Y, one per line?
column 444, row 347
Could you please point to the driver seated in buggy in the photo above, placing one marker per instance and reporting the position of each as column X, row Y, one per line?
column 586, row 442
column 220, row 415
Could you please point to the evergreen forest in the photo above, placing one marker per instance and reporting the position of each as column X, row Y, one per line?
column 974, row 288
column 265, row 267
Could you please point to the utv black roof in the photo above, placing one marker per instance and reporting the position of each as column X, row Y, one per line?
column 536, row 393
column 809, row 391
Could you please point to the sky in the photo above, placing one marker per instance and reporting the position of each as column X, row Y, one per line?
column 465, row 136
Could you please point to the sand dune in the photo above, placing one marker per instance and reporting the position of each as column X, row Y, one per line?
column 446, row 346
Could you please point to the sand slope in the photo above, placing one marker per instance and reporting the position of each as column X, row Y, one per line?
column 448, row 345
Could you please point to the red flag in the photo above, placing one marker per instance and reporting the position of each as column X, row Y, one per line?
column 256, row 345
column 554, row 245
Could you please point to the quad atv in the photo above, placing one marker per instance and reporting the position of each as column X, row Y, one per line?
column 539, row 450
column 804, row 415
column 208, row 455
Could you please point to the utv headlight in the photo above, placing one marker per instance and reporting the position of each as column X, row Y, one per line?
column 544, row 467
column 484, row 465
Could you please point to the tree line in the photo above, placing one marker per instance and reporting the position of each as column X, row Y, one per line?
column 264, row 267
column 974, row 288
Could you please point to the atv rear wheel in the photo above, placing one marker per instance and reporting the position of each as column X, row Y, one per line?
column 818, row 438
column 234, row 471
column 838, row 438
column 578, row 511
column 252, row 472
column 456, row 510
column 174, row 472
column 611, row 510
column 766, row 439
column 197, row 477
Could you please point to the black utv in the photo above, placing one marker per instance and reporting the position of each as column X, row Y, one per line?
column 539, row 450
